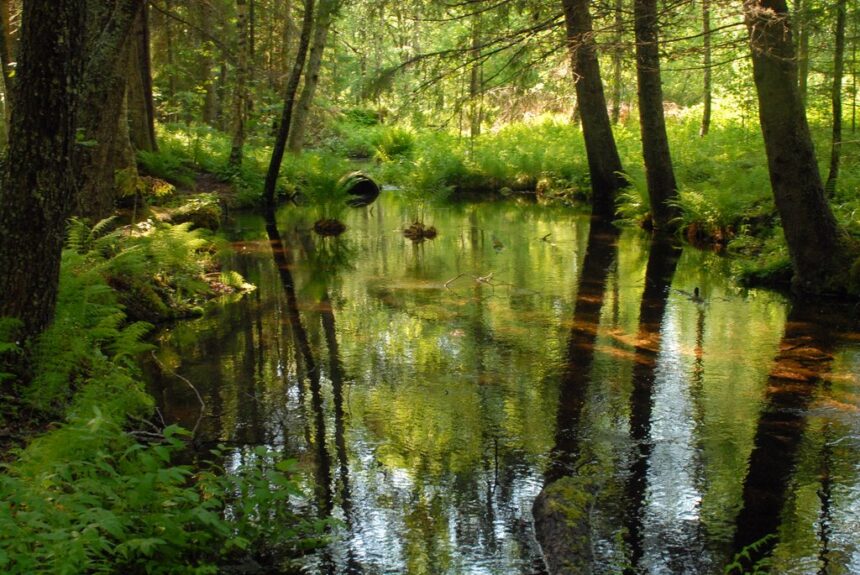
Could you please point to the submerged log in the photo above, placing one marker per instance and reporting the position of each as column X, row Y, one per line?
column 362, row 190
column 562, row 526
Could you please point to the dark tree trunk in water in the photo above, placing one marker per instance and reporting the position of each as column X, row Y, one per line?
column 836, row 97
column 102, row 93
column 141, row 111
column 38, row 186
column 289, row 103
column 814, row 241
column 604, row 164
column 662, row 188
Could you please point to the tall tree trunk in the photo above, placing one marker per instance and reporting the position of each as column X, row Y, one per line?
column 617, row 58
column 38, row 185
column 101, row 101
column 171, row 59
column 706, row 48
column 836, row 97
column 801, row 13
column 289, row 104
column 475, row 89
column 7, row 57
column 141, row 111
column 240, row 97
column 662, row 188
column 325, row 15
column 604, row 164
column 814, row 241
column 210, row 100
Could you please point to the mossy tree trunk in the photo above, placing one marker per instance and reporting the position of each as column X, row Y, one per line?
column 604, row 164
column 662, row 188
column 817, row 248
column 325, row 16
column 102, row 94
column 38, row 188
column 141, row 110
column 289, row 104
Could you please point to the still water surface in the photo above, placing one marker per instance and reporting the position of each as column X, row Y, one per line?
column 432, row 390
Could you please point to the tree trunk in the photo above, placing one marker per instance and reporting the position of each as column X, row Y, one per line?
column 814, row 243
column 801, row 13
column 141, row 111
column 38, row 184
column 475, row 89
column 604, row 164
column 289, row 104
column 706, row 48
column 325, row 14
column 836, row 97
column 7, row 57
column 662, row 188
column 101, row 101
column 171, row 60
column 617, row 56
column 210, row 100
column 240, row 97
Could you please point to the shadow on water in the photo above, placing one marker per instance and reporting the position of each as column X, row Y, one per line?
column 559, row 522
column 804, row 357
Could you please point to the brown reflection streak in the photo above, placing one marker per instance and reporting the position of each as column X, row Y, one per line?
column 662, row 261
column 804, row 356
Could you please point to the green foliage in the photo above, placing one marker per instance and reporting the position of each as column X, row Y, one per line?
column 742, row 563
column 394, row 143
column 168, row 165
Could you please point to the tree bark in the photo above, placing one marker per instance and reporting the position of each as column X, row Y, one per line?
column 801, row 13
column 240, row 97
column 604, row 164
column 706, row 48
column 836, row 97
column 7, row 57
column 814, row 241
column 662, row 189
column 289, row 104
column 38, row 184
column 617, row 56
column 325, row 14
column 101, row 101
column 210, row 101
column 475, row 89
column 141, row 111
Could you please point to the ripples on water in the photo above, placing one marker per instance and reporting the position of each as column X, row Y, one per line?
column 439, row 405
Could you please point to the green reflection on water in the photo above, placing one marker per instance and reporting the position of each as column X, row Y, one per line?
column 438, row 398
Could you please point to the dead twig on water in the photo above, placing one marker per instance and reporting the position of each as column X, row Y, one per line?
column 189, row 384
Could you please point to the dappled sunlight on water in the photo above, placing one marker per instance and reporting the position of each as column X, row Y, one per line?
column 431, row 391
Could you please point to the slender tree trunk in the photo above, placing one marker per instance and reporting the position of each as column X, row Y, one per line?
column 801, row 13
column 108, row 42
column 817, row 251
column 171, row 60
column 617, row 59
column 662, row 188
column 836, row 97
column 141, row 111
column 210, row 100
column 706, row 47
column 325, row 15
column 475, row 89
column 7, row 56
column 38, row 184
column 604, row 164
column 289, row 104
column 240, row 97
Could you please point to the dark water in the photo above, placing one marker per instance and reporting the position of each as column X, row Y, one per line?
column 431, row 407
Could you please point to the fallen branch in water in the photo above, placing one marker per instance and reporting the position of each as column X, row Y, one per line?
column 191, row 385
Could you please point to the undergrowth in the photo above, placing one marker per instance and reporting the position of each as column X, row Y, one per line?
column 89, row 495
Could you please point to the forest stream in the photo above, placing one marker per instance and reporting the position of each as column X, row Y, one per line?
column 432, row 391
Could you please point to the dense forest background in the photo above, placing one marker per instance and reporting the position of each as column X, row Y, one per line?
column 129, row 128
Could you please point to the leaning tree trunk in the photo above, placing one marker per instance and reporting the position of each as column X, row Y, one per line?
column 662, row 189
column 289, row 104
column 604, row 164
column 101, row 93
column 37, row 188
column 836, row 97
column 325, row 14
column 141, row 111
column 814, row 241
